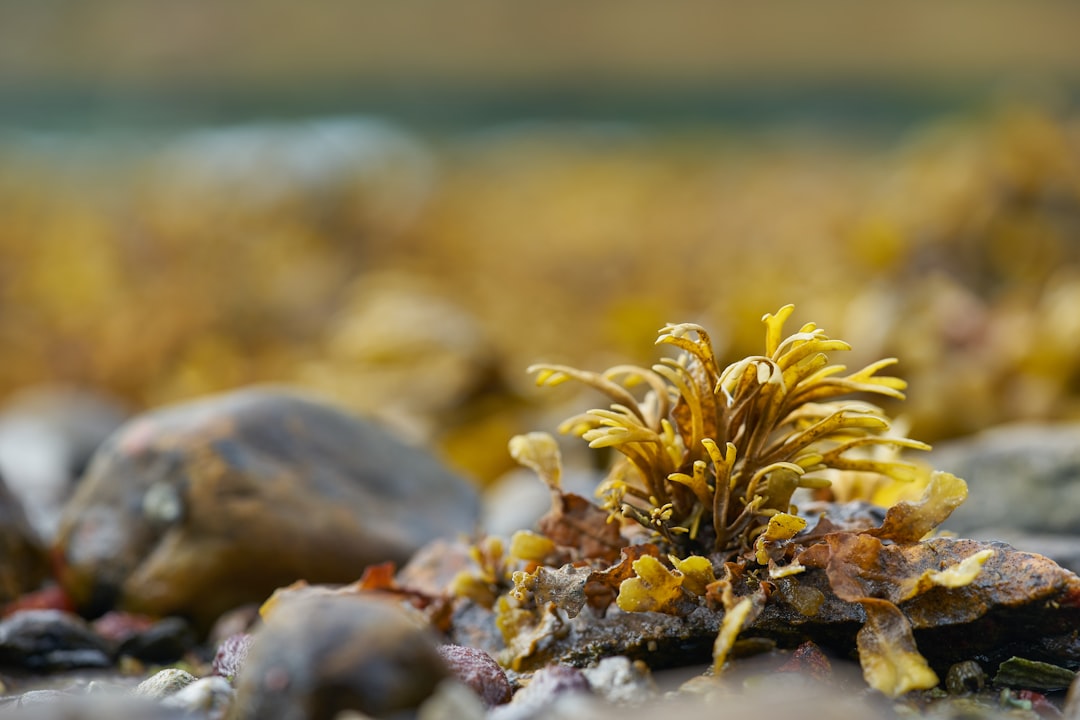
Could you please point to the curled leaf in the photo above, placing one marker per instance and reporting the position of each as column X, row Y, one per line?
column 957, row 575
column 890, row 661
column 539, row 452
column 527, row 545
column 911, row 521
column 697, row 572
column 654, row 589
column 577, row 525
column 734, row 621
column 602, row 586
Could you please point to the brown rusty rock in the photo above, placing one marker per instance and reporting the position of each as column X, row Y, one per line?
column 22, row 558
column 1010, row 579
column 201, row 507
column 1021, row 604
column 318, row 656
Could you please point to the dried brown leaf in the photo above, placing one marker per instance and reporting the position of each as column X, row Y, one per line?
column 574, row 522
column 602, row 586
column 908, row 522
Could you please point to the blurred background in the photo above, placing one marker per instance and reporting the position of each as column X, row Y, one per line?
column 404, row 204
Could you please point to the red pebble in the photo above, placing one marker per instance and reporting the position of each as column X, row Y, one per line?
column 231, row 655
column 116, row 626
column 479, row 671
column 52, row 597
column 1039, row 703
column 809, row 660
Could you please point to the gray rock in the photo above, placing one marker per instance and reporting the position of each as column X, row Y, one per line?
column 202, row 507
column 164, row 683
column 618, row 680
column 47, row 435
column 1021, row 476
column 209, row 697
column 30, row 698
column 550, row 687
column 1024, row 487
column 451, row 701
column 320, row 655
column 52, row 705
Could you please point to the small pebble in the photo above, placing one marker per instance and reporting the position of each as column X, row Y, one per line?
column 965, row 677
column 479, row 671
column 618, row 680
column 548, row 685
column 317, row 656
column 209, row 696
column 231, row 655
column 165, row 641
column 50, row 640
column 164, row 683
column 40, row 697
column 452, row 701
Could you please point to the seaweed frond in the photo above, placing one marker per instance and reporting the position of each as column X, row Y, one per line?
column 710, row 453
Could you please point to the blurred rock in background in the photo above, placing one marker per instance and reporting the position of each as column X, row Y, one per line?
column 47, row 436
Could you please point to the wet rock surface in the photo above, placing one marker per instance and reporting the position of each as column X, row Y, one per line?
column 318, row 656
column 1020, row 604
column 202, row 507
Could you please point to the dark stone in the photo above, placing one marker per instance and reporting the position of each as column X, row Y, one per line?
column 163, row 642
column 317, row 656
column 23, row 564
column 202, row 507
column 50, row 640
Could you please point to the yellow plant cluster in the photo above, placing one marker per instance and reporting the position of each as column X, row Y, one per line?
column 711, row 453
column 710, row 459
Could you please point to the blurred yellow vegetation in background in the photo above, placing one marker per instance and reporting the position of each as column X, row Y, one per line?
column 419, row 281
